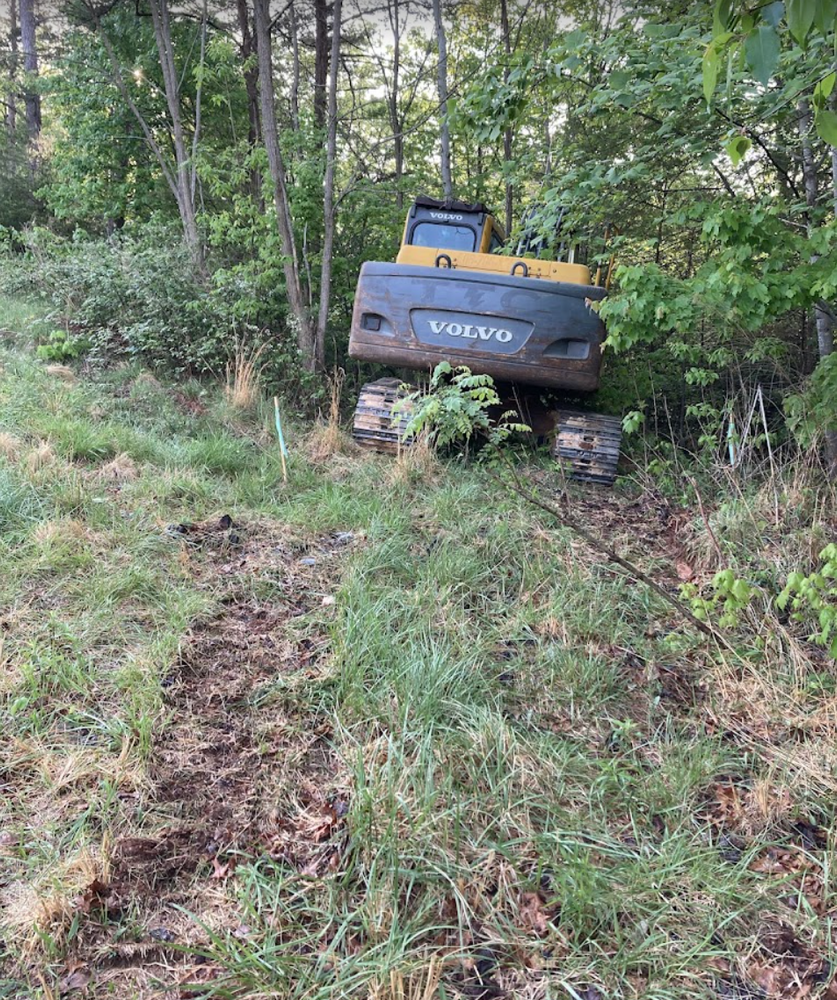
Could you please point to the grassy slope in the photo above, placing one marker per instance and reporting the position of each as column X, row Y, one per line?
column 389, row 729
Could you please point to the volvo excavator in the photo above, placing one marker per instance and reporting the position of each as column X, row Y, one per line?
column 456, row 294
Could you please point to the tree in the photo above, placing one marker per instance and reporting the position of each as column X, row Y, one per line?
column 310, row 326
column 801, row 26
column 11, row 99
column 442, row 84
column 181, row 173
column 29, row 45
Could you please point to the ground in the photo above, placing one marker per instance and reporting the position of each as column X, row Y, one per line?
column 384, row 730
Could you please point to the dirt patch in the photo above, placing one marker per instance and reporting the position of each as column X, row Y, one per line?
column 210, row 765
column 242, row 767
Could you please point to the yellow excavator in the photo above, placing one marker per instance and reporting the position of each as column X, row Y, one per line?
column 455, row 293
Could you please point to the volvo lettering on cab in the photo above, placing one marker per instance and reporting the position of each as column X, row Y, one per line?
column 470, row 331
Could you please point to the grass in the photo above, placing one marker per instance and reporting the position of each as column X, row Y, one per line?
column 384, row 734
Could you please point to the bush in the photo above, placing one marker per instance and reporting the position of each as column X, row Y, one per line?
column 137, row 294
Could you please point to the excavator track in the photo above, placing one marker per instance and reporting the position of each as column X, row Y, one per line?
column 589, row 444
column 375, row 426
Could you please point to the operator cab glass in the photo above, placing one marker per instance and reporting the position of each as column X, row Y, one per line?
column 444, row 236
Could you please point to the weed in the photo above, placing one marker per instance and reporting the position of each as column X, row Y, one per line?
column 243, row 375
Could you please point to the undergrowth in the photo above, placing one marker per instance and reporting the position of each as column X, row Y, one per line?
column 382, row 730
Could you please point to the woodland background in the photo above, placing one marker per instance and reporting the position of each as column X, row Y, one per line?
column 183, row 180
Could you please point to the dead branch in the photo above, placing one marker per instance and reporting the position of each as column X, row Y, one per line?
column 565, row 518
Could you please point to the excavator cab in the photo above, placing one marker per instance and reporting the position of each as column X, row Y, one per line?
column 452, row 225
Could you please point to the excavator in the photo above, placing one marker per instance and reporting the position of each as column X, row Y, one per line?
column 456, row 293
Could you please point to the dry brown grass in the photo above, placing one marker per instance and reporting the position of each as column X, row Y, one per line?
column 48, row 905
column 122, row 469
column 9, row 446
column 328, row 438
column 41, row 455
column 243, row 376
column 63, row 372
column 417, row 460
column 65, row 529
column 415, row 984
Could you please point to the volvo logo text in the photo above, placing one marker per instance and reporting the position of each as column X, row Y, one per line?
column 447, row 216
column 471, row 332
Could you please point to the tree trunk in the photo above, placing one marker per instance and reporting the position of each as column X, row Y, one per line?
column 328, row 187
column 507, row 134
column 395, row 122
column 320, row 60
column 306, row 339
column 11, row 104
column 823, row 315
column 247, row 50
column 294, row 31
column 442, row 84
column 184, row 181
column 29, row 45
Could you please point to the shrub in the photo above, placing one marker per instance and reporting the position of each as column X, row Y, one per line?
column 137, row 294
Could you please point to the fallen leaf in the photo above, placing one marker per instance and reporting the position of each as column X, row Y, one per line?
column 93, row 896
column 684, row 571
column 221, row 871
column 532, row 913
column 77, row 979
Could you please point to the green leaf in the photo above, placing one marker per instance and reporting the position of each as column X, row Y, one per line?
column 800, row 18
column 722, row 17
column 737, row 147
column 772, row 13
column 825, row 13
column 823, row 89
column 826, row 123
column 710, row 65
column 761, row 50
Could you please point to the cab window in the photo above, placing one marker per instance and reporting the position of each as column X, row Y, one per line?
column 496, row 244
column 443, row 236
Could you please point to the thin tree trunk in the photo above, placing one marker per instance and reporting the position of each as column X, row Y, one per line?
column 29, row 45
column 305, row 333
column 507, row 134
column 294, row 30
column 328, row 188
column 11, row 104
column 251, row 86
column 822, row 313
column 183, row 183
column 198, row 104
column 395, row 122
column 320, row 60
column 442, row 84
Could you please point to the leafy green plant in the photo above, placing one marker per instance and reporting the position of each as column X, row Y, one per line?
column 62, row 346
column 814, row 598
column 728, row 595
column 457, row 408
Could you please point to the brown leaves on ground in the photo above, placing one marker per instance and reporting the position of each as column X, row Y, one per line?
column 787, row 968
column 746, row 807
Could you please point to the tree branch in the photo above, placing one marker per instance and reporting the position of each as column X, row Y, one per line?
column 565, row 518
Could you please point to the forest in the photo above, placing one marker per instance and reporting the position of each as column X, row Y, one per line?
column 284, row 717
